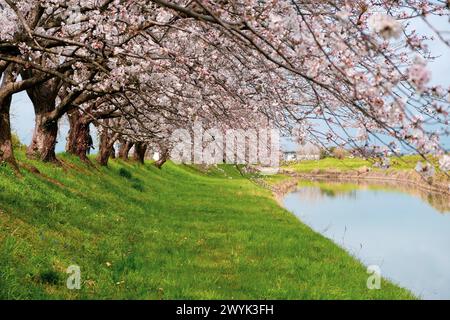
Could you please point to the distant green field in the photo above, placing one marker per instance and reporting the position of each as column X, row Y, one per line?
column 329, row 163
column 137, row 232
column 400, row 163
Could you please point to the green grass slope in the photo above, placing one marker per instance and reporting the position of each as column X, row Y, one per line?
column 138, row 232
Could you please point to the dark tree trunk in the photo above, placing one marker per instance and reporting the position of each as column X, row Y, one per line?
column 163, row 157
column 106, row 146
column 104, row 153
column 139, row 152
column 43, row 143
column 78, row 140
column 124, row 149
column 113, row 153
column 6, row 147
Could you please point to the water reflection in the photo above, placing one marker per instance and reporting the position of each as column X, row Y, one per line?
column 340, row 188
column 402, row 229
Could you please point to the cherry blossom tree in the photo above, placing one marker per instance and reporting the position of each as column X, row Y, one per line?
column 359, row 66
column 342, row 72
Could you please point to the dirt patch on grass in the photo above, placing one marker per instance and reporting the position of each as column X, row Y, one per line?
column 280, row 189
column 68, row 166
column 35, row 171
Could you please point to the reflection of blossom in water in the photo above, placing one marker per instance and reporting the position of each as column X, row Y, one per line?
column 340, row 189
column 317, row 193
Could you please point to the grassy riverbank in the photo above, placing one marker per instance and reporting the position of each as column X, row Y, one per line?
column 180, row 232
column 401, row 169
column 399, row 163
column 348, row 164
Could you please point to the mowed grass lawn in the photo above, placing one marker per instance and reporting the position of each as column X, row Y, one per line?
column 138, row 232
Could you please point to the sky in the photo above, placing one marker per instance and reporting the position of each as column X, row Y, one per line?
column 22, row 114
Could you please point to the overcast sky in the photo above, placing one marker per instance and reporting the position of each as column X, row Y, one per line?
column 22, row 115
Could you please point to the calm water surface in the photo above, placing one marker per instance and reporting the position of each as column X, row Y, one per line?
column 405, row 232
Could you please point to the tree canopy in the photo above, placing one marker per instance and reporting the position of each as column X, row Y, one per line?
column 332, row 71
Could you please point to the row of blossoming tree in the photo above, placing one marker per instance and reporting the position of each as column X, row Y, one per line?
column 338, row 72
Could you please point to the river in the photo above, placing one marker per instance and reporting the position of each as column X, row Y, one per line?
column 402, row 230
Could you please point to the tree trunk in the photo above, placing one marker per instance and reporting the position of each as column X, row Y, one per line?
column 6, row 147
column 103, row 154
column 43, row 143
column 78, row 140
column 124, row 149
column 106, row 147
column 163, row 157
column 139, row 152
